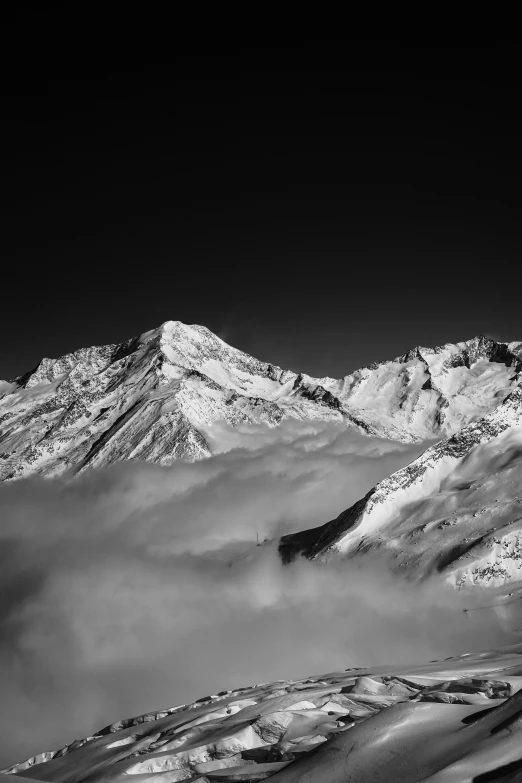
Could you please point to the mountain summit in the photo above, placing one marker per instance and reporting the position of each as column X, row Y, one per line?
column 155, row 396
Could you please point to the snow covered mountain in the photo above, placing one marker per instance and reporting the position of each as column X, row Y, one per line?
column 457, row 509
column 155, row 396
column 457, row 720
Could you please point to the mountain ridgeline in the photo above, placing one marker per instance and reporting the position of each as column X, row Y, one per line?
column 155, row 397
column 455, row 511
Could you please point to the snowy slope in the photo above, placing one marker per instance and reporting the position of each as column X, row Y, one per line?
column 459, row 720
column 154, row 397
column 457, row 509
column 150, row 398
column 433, row 391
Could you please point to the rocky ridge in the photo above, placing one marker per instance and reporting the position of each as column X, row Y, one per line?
column 456, row 510
column 155, row 397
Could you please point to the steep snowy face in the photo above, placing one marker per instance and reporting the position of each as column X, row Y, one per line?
column 433, row 391
column 154, row 397
column 457, row 509
column 150, row 398
column 453, row 720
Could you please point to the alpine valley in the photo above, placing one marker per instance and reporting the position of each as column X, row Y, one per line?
column 453, row 514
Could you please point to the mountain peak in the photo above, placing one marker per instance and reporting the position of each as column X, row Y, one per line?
column 154, row 397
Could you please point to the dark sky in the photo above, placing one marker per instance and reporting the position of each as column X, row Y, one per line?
column 321, row 206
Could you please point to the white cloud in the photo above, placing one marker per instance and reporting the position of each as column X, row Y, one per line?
column 119, row 595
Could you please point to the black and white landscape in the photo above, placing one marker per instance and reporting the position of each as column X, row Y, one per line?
column 453, row 720
column 155, row 464
column 261, row 407
column 179, row 392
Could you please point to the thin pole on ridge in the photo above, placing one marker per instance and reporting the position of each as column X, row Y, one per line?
column 492, row 606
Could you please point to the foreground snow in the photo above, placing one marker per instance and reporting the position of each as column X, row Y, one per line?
column 155, row 397
column 458, row 720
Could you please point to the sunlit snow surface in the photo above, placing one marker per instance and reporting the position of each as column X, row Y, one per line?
column 455, row 510
column 155, row 397
column 452, row 721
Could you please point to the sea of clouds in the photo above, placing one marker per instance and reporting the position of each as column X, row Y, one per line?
column 140, row 587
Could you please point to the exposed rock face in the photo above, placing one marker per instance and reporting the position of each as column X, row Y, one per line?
column 154, row 397
column 459, row 719
column 457, row 509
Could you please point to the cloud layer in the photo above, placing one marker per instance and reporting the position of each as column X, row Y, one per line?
column 140, row 587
